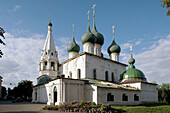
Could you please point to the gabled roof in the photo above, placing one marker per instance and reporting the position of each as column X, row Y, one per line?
column 85, row 53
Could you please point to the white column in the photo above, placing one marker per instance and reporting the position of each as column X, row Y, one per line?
column 88, row 47
column 72, row 54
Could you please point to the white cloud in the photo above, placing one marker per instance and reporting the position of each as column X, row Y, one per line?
column 155, row 61
column 16, row 7
column 21, row 58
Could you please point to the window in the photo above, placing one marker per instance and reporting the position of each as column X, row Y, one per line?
column 70, row 74
column 79, row 74
column 52, row 54
column 52, row 66
column 36, row 95
column 45, row 65
column 113, row 79
column 106, row 75
column 94, row 73
column 136, row 98
column 124, row 97
column 110, row 97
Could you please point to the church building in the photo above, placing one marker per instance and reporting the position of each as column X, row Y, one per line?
column 88, row 76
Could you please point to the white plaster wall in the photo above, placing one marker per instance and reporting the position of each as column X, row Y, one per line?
column 88, row 47
column 102, row 65
column 73, row 66
column 102, row 96
column 149, row 93
column 90, row 93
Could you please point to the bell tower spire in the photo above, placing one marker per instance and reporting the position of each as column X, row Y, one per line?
column 49, row 57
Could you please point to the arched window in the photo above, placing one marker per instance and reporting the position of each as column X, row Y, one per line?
column 45, row 65
column 136, row 97
column 78, row 73
column 52, row 66
column 106, row 75
column 94, row 73
column 70, row 74
column 113, row 78
column 124, row 97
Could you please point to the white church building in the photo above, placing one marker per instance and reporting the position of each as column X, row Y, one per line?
column 89, row 76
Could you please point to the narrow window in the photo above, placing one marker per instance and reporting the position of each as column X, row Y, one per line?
column 94, row 73
column 52, row 54
column 113, row 77
column 45, row 65
column 136, row 98
column 79, row 73
column 35, row 95
column 106, row 75
column 52, row 66
column 70, row 74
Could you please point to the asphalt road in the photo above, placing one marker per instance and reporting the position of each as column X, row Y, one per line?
column 9, row 107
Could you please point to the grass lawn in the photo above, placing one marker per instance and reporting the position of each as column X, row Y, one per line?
column 148, row 108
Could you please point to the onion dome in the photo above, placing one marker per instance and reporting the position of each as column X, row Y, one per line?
column 73, row 46
column 99, row 39
column 113, row 48
column 132, row 74
column 88, row 36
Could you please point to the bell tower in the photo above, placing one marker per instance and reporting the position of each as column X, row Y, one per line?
column 49, row 64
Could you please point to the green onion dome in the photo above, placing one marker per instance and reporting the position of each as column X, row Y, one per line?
column 73, row 46
column 132, row 74
column 99, row 39
column 88, row 36
column 114, row 48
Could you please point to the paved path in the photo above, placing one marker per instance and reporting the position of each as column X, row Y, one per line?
column 9, row 107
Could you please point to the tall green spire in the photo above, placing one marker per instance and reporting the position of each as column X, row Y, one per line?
column 131, row 60
column 99, row 39
column 88, row 36
column 113, row 48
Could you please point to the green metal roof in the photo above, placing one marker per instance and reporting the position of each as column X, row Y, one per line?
column 114, row 48
column 44, row 79
column 73, row 46
column 132, row 74
column 50, row 24
column 99, row 39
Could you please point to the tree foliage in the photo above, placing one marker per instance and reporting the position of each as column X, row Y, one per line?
column 4, row 93
column 164, row 93
column 1, row 42
column 166, row 3
column 23, row 90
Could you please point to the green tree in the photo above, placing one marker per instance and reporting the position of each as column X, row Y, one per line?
column 166, row 3
column 1, row 42
column 164, row 93
column 23, row 90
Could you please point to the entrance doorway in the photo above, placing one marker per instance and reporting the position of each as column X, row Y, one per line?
column 55, row 94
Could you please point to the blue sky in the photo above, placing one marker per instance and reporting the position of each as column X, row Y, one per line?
column 141, row 23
